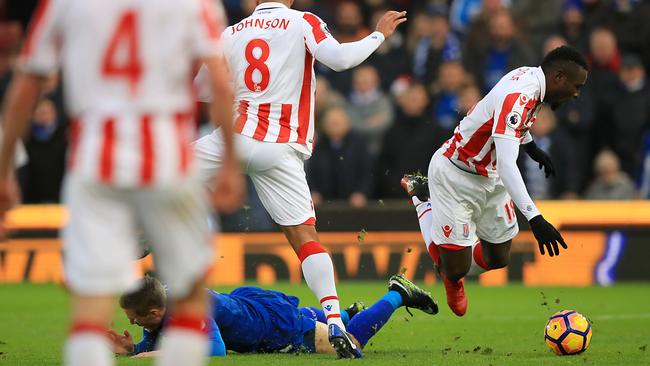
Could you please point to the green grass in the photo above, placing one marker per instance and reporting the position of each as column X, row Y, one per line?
column 505, row 322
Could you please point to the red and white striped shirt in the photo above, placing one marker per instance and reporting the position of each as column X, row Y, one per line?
column 271, row 55
column 127, row 71
column 507, row 111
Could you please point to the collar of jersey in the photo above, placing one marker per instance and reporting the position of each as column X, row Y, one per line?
column 539, row 74
column 268, row 6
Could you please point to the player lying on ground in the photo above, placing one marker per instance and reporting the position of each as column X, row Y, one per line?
column 465, row 211
column 253, row 320
column 271, row 55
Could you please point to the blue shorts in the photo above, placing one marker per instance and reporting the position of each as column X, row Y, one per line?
column 257, row 320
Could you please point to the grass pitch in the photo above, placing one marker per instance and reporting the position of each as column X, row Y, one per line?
column 503, row 326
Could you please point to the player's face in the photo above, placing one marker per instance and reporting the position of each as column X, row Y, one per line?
column 569, row 84
column 151, row 320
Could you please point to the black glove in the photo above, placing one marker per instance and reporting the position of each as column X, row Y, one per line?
column 547, row 236
column 541, row 157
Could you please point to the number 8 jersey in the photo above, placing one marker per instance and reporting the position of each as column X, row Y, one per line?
column 127, row 69
column 271, row 56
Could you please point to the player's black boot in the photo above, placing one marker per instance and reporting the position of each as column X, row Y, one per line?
column 412, row 295
column 417, row 185
column 354, row 309
column 342, row 343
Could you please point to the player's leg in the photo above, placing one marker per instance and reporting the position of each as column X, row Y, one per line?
column 278, row 173
column 496, row 227
column 346, row 314
column 446, row 223
column 401, row 292
column 173, row 222
column 100, row 245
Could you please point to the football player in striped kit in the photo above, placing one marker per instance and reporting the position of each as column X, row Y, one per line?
column 466, row 210
column 271, row 56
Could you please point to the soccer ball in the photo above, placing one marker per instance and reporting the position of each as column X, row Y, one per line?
column 568, row 333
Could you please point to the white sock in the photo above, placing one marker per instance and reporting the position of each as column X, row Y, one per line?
column 318, row 270
column 478, row 262
column 424, row 218
column 88, row 348
column 183, row 346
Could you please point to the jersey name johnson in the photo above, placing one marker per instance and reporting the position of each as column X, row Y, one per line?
column 271, row 58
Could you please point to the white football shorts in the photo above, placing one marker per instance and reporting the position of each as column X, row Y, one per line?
column 276, row 169
column 104, row 224
column 466, row 207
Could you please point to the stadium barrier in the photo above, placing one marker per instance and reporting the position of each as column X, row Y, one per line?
column 608, row 242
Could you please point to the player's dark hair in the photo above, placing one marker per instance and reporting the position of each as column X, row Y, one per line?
column 562, row 57
column 150, row 295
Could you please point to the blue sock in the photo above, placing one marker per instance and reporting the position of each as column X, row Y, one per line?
column 319, row 315
column 368, row 322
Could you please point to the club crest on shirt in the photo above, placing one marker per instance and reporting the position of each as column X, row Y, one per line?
column 446, row 230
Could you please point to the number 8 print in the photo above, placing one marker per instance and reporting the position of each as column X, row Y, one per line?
column 257, row 63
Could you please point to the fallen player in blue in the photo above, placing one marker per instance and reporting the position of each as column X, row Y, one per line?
column 253, row 320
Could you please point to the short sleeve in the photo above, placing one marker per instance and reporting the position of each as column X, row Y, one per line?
column 207, row 25
column 315, row 31
column 40, row 52
column 511, row 112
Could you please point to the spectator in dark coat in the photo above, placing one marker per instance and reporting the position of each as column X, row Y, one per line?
column 409, row 144
column 46, row 145
column 625, row 117
column 340, row 166
column 504, row 52
column 566, row 182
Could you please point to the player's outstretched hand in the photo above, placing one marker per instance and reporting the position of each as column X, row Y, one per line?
column 389, row 21
column 122, row 344
column 541, row 157
column 229, row 188
column 547, row 236
column 9, row 197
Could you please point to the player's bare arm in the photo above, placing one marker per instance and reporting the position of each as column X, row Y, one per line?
column 229, row 185
column 20, row 102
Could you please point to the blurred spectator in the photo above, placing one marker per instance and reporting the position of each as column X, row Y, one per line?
column 625, row 116
column 391, row 58
column 504, row 52
column 46, row 145
column 610, row 183
column 479, row 28
column 573, row 27
column 462, row 13
column 436, row 44
column 409, row 143
column 348, row 27
column 446, row 94
column 340, row 166
column 370, row 110
column 551, row 43
column 537, row 18
column 468, row 96
column 605, row 60
column 566, row 182
column 326, row 98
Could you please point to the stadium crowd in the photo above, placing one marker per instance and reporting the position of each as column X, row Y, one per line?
column 387, row 117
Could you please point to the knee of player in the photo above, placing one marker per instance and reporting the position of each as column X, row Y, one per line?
column 454, row 274
column 499, row 262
